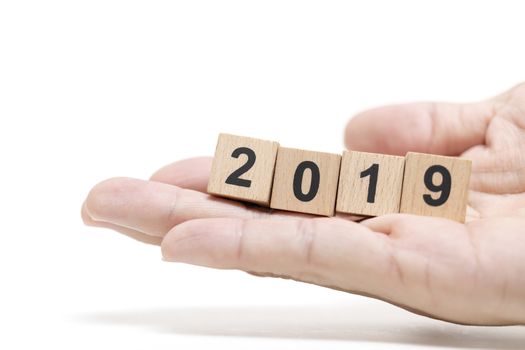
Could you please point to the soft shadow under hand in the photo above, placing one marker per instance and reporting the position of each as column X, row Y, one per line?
column 330, row 322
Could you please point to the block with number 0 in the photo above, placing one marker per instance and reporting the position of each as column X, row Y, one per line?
column 370, row 184
column 305, row 181
column 435, row 186
column 243, row 169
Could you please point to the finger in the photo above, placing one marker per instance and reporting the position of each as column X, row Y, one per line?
column 325, row 251
column 498, row 166
column 192, row 173
column 498, row 182
column 139, row 236
column 502, row 173
column 439, row 128
column 397, row 225
column 492, row 205
column 154, row 208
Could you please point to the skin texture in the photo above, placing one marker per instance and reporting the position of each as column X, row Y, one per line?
column 471, row 273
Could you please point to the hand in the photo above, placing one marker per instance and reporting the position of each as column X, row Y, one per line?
column 471, row 273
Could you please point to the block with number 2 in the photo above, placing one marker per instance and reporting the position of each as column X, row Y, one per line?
column 243, row 169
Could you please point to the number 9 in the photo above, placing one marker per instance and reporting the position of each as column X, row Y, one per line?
column 443, row 187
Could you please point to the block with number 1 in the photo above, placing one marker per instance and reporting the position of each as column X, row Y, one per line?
column 370, row 184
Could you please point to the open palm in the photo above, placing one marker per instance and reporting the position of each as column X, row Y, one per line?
column 470, row 273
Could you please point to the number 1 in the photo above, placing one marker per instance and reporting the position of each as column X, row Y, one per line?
column 372, row 185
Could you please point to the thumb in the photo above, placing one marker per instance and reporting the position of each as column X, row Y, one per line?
column 438, row 128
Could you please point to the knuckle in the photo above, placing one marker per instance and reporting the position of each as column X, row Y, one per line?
column 174, row 215
column 240, row 234
column 307, row 230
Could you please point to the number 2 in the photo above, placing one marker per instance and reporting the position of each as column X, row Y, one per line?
column 372, row 185
column 234, row 178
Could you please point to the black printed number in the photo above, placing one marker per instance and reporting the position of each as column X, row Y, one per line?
column 298, row 181
column 234, row 178
column 372, row 185
column 443, row 187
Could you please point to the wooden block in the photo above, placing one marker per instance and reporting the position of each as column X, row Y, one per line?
column 243, row 168
column 435, row 186
column 370, row 184
column 305, row 181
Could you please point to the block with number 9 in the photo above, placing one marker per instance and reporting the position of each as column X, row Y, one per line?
column 435, row 186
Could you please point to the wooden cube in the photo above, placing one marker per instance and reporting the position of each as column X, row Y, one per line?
column 243, row 169
column 305, row 181
column 435, row 186
column 370, row 184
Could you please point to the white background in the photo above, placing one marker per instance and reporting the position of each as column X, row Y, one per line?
column 95, row 89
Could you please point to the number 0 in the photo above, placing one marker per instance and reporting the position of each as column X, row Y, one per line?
column 298, row 181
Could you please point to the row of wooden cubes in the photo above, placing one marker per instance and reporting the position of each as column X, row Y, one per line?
column 320, row 183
